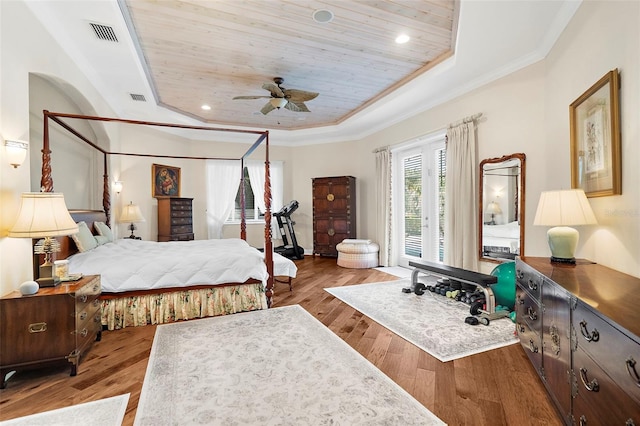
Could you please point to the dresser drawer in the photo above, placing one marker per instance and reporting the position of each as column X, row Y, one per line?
column 181, row 204
column 530, row 279
column 531, row 342
column 598, row 393
column 182, row 229
column 619, row 355
column 528, row 309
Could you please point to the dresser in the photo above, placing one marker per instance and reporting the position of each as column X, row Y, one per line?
column 334, row 213
column 57, row 324
column 175, row 219
column 579, row 325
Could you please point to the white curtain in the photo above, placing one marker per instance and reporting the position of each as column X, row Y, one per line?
column 256, row 171
column 460, row 201
column 223, row 179
column 383, row 205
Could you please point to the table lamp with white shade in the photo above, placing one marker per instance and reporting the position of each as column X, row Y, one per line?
column 44, row 215
column 493, row 209
column 131, row 214
column 562, row 209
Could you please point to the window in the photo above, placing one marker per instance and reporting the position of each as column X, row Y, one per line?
column 254, row 191
column 252, row 212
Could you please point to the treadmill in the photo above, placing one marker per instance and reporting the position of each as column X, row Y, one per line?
column 293, row 250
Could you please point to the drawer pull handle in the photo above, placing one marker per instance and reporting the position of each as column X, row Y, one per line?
column 629, row 422
column 83, row 315
column 532, row 346
column 532, row 314
column 38, row 327
column 589, row 337
column 520, row 301
column 591, row 386
column 631, row 369
column 83, row 298
column 84, row 332
column 583, row 420
column 96, row 287
column 96, row 302
column 532, row 284
column 519, row 274
column 522, row 329
column 331, row 232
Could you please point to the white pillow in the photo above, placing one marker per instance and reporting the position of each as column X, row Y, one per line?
column 104, row 230
column 100, row 239
column 84, row 239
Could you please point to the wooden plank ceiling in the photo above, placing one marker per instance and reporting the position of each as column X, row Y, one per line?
column 208, row 52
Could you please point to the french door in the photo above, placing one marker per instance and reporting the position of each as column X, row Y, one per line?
column 419, row 173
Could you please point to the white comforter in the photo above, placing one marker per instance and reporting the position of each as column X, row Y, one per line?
column 127, row 265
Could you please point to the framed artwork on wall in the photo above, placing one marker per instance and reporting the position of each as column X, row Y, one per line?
column 595, row 138
column 165, row 181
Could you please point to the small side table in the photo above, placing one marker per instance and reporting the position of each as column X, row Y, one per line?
column 57, row 324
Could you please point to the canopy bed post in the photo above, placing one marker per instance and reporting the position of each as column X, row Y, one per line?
column 46, row 182
column 268, row 243
column 243, row 216
column 106, row 196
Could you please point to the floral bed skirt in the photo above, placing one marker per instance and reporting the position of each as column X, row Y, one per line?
column 162, row 308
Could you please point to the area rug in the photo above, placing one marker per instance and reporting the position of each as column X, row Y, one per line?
column 397, row 271
column 432, row 322
column 103, row 412
column 279, row 366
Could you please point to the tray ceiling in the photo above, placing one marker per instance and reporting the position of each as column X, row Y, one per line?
column 207, row 52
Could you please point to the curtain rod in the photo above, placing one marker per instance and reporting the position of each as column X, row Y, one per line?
column 466, row 120
column 382, row 148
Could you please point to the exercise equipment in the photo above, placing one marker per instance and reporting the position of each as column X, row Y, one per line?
column 293, row 250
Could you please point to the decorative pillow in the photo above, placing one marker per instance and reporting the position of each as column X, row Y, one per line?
column 104, row 230
column 84, row 239
column 100, row 239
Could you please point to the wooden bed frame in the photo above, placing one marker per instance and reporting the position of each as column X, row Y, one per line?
column 68, row 247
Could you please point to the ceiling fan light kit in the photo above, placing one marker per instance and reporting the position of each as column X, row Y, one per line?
column 278, row 102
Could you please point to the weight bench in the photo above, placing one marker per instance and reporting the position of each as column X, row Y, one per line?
column 481, row 281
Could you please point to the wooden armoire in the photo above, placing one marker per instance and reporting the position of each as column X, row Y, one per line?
column 334, row 213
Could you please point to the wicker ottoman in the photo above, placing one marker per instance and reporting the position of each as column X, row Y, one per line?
column 357, row 254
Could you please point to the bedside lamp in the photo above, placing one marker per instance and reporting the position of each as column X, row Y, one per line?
column 131, row 213
column 44, row 215
column 561, row 209
column 493, row 208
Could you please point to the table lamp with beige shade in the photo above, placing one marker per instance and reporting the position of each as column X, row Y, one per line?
column 561, row 210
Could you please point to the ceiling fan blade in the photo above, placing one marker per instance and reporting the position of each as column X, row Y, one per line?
column 296, row 106
column 276, row 92
column 295, row 95
column 251, row 97
column 267, row 108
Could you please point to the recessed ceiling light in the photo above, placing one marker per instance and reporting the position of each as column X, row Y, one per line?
column 402, row 38
column 205, row 107
column 323, row 16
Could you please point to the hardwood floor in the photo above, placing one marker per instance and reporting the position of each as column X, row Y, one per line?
column 498, row 387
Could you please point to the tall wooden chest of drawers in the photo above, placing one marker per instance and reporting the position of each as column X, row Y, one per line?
column 579, row 326
column 57, row 324
column 334, row 212
column 175, row 219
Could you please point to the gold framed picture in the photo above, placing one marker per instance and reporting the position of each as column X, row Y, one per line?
column 595, row 138
column 165, row 181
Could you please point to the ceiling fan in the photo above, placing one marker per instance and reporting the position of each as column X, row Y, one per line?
column 291, row 99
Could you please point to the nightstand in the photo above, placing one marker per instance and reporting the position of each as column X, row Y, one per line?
column 57, row 324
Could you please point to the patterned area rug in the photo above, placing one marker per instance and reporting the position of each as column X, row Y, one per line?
column 104, row 412
column 278, row 366
column 432, row 322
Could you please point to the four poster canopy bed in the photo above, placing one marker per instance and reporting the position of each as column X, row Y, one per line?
column 148, row 282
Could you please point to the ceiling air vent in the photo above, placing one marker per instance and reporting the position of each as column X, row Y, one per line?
column 104, row 32
column 140, row 98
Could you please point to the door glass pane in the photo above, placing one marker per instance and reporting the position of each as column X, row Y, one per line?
column 441, row 173
column 412, row 167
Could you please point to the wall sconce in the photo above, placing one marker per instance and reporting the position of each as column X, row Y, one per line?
column 117, row 187
column 16, row 152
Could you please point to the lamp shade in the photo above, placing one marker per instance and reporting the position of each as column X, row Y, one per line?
column 43, row 214
column 564, row 208
column 493, row 208
column 131, row 213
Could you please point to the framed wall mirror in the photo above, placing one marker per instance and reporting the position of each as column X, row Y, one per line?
column 502, row 197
